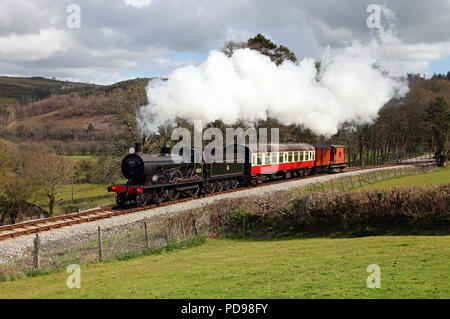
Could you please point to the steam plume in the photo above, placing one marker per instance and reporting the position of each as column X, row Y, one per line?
column 353, row 84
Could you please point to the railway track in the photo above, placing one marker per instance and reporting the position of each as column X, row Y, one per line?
column 40, row 225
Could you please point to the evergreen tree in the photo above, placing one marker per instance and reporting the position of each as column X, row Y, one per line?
column 438, row 116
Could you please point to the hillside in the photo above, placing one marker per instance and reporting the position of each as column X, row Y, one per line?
column 82, row 119
column 87, row 116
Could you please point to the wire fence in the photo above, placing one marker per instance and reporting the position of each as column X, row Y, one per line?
column 150, row 236
column 354, row 182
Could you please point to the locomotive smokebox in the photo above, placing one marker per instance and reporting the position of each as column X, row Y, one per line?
column 138, row 147
column 165, row 149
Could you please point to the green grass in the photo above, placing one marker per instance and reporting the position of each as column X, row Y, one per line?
column 76, row 158
column 436, row 177
column 411, row 267
column 85, row 193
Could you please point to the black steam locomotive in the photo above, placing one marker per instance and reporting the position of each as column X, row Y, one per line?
column 167, row 176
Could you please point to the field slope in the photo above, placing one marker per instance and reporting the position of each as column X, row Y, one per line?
column 411, row 267
column 435, row 177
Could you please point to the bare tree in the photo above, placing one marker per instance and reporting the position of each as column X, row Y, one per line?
column 230, row 46
column 15, row 193
column 5, row 159
column 50, row 172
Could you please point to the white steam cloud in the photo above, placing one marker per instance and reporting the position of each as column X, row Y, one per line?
column 353, row 84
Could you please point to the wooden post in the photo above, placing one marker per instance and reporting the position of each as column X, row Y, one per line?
column 359, row 178
column 368, row 177
column 147, row 241
column 244, row 227
column 323, row 189
column 332, row 185
column 342, row 183
column 100, row 247
column 168, row 229
column 351, row 181
column 310, row 188
column 36, row 251
column 194, row 227
column 375, row 175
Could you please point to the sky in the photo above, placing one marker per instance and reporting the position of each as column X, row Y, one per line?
column 105, row 41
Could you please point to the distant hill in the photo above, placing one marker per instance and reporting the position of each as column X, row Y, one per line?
column 26, row 90
column 73, row 118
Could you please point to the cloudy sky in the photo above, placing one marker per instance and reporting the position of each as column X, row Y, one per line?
column 121, row 39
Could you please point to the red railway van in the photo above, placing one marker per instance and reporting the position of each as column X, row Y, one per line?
column 273, row 159
column 337, row 160
column 323, row 155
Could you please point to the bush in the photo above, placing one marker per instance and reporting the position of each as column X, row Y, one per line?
column 407, row 210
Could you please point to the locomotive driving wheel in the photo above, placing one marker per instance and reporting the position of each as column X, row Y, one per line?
column 210, row 187
column 141, row 200
column 172, row 194
column 157, row 196
column 193, row 191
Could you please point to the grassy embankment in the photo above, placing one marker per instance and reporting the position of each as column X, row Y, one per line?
column 411, row 267
column 436, row 177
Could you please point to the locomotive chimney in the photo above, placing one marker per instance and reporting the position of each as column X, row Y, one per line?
column 138, row 147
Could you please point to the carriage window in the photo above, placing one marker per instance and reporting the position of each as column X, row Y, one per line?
column 285, row 157
column 302, row 156
column 281, row 157
column 259, row 162
column 296, row 157
column 254, row 159
column 274, row 158
column 306, row 156
column 290, row 157
column 267, row 159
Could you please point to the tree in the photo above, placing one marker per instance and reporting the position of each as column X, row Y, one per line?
column 438, row 116
column 15, row 193
column 230, row 46
column 5, row 159
column 278, row 54
column 50, row 172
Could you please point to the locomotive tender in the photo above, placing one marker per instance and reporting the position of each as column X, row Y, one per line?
column 167, row 176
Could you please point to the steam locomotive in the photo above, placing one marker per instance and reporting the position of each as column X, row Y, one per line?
column 167, row 176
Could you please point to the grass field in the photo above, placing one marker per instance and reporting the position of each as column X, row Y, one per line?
column 436, row 177
column 76, row 158
column 411, row 267
column 81, row 192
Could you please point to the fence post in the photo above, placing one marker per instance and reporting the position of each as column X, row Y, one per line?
column 169, row 224
column 342, row 182
column 244, row 227
column 351, row 181
column 36, row 251
column 368, row 178
column 332, row 185
column 323, row 189
column 375, row 175
column 194, row 227
column 100, row 247
column 147, row 242
column 359, row 178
